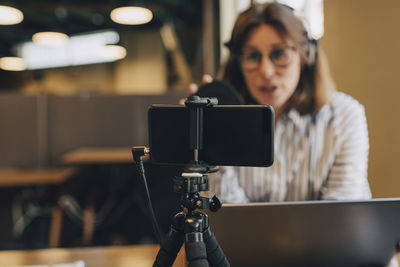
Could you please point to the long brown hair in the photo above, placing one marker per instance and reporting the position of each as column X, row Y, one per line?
column 315, row 83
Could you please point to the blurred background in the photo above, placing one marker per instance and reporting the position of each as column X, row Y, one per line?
column 148, row 55
column 77, row 78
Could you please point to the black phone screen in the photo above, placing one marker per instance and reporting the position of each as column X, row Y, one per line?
column 233, row 135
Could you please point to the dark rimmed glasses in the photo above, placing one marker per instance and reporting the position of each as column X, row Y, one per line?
column 280, row 56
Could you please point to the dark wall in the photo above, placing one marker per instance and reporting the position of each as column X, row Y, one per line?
column 19, row 130
column 36, row 130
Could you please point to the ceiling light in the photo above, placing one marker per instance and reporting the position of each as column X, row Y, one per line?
column 12, row 63
column 80, row 49
column 10, row 15
column 50, row 38
column 113, row 52
column 131, row 15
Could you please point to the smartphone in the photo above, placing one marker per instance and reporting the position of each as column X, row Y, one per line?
column 233, row 135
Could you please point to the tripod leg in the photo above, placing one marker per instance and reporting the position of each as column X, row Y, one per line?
column 172, row 243
column 215, row 255
column 195, row 248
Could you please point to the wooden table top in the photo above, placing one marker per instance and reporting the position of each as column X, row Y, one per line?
column 98, row 156
column 113, row 256
column 26, row 177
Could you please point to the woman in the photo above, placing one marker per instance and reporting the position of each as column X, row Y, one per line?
column 321, row 137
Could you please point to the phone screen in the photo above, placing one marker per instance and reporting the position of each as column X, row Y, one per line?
column 233, row 135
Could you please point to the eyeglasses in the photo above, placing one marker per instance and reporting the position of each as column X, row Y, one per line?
column 280, row 56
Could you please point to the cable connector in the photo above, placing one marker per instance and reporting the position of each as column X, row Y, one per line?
column 139, row 151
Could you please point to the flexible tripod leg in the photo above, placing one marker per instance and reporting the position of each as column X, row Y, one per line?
column 172, row 242
column 215, row 255
column 201, row 246
column 195, row 248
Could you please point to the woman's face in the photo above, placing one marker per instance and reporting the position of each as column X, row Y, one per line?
column 270, row 66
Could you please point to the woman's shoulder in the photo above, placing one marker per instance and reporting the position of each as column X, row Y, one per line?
column 341, row 107
column 345, row 105
column 342, row 100
column 344, row 109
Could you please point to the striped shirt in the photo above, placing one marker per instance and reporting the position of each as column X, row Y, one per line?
column 318, row 156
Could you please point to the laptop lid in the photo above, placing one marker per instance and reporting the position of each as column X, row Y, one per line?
column 310, row 233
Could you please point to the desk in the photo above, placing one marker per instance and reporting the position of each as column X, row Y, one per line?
column 20, row 177
column 98, row 156
column 118, row 256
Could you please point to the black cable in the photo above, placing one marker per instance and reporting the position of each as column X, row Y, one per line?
column 137, row 153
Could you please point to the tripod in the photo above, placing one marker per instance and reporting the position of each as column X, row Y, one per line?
column 191, row 226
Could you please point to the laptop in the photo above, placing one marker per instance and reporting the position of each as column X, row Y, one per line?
column 309, row 233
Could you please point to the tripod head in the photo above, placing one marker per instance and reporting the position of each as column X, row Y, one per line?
column 190, row 184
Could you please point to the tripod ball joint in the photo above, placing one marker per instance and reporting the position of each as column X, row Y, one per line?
column 197, row 202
